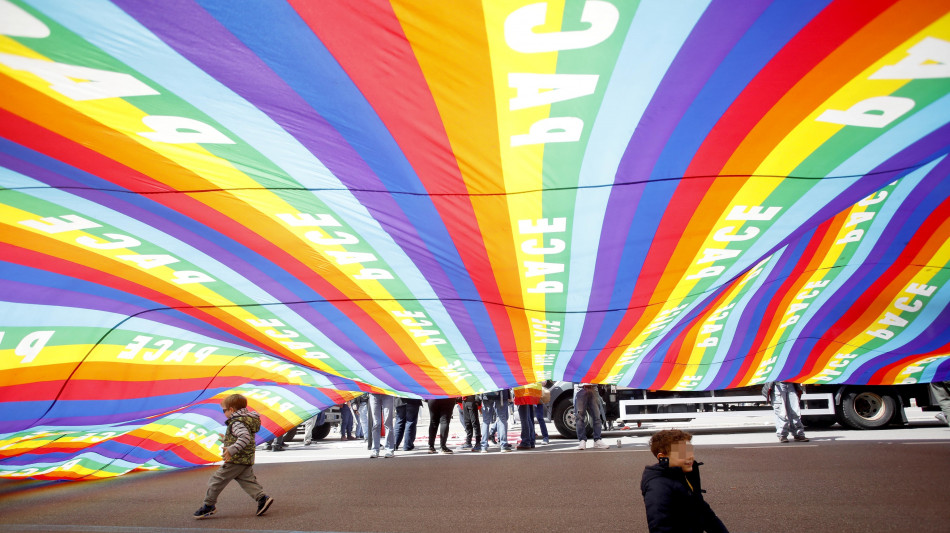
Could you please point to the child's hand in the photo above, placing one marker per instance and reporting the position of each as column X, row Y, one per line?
column 226, row 455
column 221, row 436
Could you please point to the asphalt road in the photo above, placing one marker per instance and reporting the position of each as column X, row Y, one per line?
column 841, row 481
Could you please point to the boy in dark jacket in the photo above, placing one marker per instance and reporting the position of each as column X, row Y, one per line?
column 238, row 454
column 671, row 488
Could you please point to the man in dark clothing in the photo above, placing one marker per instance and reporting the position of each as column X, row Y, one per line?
column 407, row 415
column 671, row 489
column 470, row 406
column 440, row 415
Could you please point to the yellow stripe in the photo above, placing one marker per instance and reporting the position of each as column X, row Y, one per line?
column 521, row 165
column 808, row 136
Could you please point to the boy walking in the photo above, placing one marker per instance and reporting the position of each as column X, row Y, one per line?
column 671, row 489
column 238, row 454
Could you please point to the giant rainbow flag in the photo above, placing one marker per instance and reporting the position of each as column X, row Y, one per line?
column 302, row 200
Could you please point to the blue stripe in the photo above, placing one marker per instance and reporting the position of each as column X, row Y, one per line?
column 777, row 25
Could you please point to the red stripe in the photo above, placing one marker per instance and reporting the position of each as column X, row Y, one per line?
column 30, row 392
column 779, row 301
column 850, row 324
column 815, row 42
column 47, row 142
column 364, row 35
column 687, row 198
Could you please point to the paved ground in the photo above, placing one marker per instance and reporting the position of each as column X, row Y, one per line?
column 841, row 481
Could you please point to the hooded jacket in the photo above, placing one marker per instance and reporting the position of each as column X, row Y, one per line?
column 672, row 506
column 239, row 439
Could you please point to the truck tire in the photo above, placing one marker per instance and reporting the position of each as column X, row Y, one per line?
column 320, row 432
column 866, row 409
column 563, row 416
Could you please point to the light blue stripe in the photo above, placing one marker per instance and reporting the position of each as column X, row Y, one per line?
column 153, row 58
column 919, row 321
column 736, row 314
column 882, row 218
column 662, row 31
column 924, row 122
column 438, row 314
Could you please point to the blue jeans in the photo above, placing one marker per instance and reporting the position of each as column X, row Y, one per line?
column 528, row 435
column 500, row 410
column 587, row 401
column 366, row 423
column 539, row 414
column 381, row 406
column 407, row 415
column 785, row 405
column 346, row 421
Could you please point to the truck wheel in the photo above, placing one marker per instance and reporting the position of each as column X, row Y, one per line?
column 866, row 409
column 563, row 416
column 291, row 433
column 320, row 432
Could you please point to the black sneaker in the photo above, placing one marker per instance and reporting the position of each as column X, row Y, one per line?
column 432, row 450
column 445, row 451
column 204, row 512
column 263, row 504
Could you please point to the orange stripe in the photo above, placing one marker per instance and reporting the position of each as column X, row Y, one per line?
column 879, row 37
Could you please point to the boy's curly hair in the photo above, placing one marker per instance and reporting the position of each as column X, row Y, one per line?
column 662, row 441
column 234, row 401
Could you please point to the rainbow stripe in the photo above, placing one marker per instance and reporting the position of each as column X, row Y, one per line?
column 316, row 199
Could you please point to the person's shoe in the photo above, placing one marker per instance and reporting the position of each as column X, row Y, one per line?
column 204, row 512
column 484, row 450
column 520, row 447
column 278, row 449
column 306, row 443
column 409, row 448
column 263, row 504
column 432, row 450
column 601, row 445
column 801, row 438
column 269, row 447
column 546, row 441
column 506, row 448
column 374, row 454
column 466, row 446
column 476, row 449
column 582, row 445
column 783, row 439
column 494, row 439
column 388, row 454
column 445, row 451
column 942, row 417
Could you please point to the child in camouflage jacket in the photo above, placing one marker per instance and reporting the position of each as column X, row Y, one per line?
column 238, row 453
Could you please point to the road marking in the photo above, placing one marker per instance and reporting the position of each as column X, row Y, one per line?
column 127, row 529
column 777, row 446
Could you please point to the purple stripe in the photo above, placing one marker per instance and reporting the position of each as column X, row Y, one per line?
column 820, row 324
column 622, row 204
column 177, row 22
column 713, row 37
